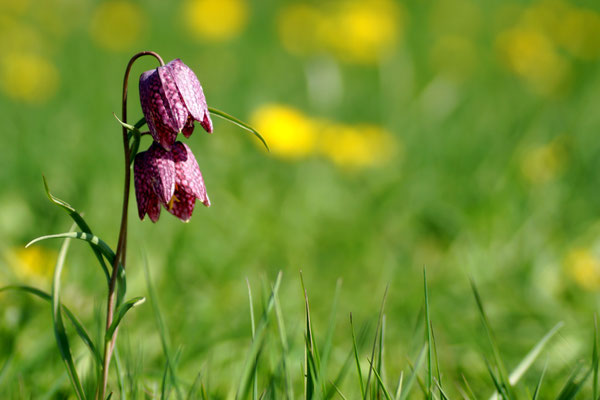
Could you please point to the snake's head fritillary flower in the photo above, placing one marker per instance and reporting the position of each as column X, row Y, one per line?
column 189, row 184
column 154, row 178
column 172, row 99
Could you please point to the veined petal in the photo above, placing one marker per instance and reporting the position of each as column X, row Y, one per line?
column 188, row 177
column 154, row 179
column 182, row 205
column 157, row 110
column 174, row 100
column 191, row 92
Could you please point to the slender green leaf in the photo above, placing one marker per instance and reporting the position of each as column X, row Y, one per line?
column 78, row 219
column 161, row 328
column 399, row 386
column 428, row 339
column 379, row 319
column 59, row 329
column 311, row 352
column 289, row 389
column 539, row 384
column 88, row 237
column 595, row 361
column 573, row 385
column 253, row 325
column 468, row 388
column 529, row 358
column 119, row 372
column 76, row 324
column 380, row 352
column 502, row 374
column 257, row 343
column 380, row 382
column 413, row 376
column 194, row 387
column 239, row 123
column 120, row 313
column 357, row 360
column 338, row 391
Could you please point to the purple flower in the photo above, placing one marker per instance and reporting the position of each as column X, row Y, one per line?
column 172, row 99
column 189, row 184
column 171, row 178
column 154, row 178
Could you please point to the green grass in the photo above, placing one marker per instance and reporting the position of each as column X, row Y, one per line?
column 457, row 199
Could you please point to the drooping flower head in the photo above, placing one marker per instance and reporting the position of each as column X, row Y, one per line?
column 189, row 184
column 171, row 178
column 154, row 179
column 172, row 99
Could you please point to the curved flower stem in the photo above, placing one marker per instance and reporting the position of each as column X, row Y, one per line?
column 121, row 252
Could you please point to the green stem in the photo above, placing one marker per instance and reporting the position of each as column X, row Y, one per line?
column 121, row 252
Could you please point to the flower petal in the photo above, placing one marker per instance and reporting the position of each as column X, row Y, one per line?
column 191, row 92
column 157, row 110
column 175, row 102
column 188, row 177
column 182, row 205
column 154, row 179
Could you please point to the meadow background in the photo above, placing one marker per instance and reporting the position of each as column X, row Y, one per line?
column 456, row 135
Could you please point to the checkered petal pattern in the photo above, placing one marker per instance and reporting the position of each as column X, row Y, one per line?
column 154, row 179
column 189, row 184
column 172, row 99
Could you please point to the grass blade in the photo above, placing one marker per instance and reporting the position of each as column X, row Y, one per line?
column 380, row 382
column 311, row 352
column 161, row 329
column 539, row 384
column 326, row 350
column 379, row 319
column 529, row 358
column 76, row 324
column 428, row 339
column 356, row 359
column 289, row 390
column 239, row 123
column 78, row 219
column 413, row 376
column 572, row 386
column 255, row 374
column 503, row 376
column 595, row 361
column 120, row 313
column 257, row 343
column 57, row 322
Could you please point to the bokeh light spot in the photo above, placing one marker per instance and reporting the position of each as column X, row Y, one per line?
column 215, row 20
column 116, row 25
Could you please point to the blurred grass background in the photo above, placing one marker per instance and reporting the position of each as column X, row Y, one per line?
column 457, row 135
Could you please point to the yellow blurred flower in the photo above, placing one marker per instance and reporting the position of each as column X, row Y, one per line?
column 16, row 36
column 354, row 146
column 293, row 135
column 28, row 77
column 364, row 31
column 583, row 266
column 116, row 25
column 355, row 31
column 531, row 55
column 579, row 33
column 301, row 29
column 216, row 20
column 34, row 263
column 541, row 164
column 289, row 133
